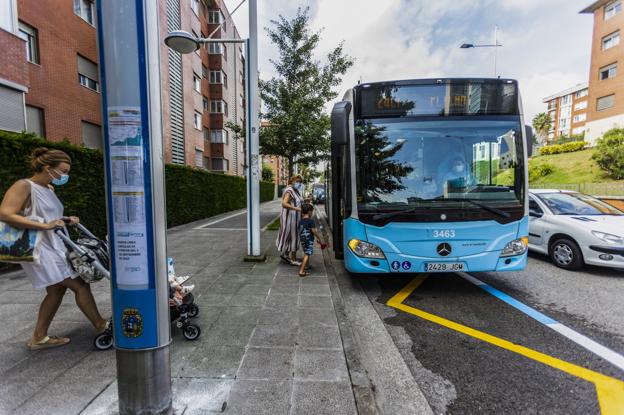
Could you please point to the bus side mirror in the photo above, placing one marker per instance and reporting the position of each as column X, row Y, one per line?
column 340, row 123
column 528, row 135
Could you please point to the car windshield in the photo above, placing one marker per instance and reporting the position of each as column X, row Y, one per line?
column 577, row 204
column 406, row 163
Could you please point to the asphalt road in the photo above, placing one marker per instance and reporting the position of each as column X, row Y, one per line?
column 460, row 373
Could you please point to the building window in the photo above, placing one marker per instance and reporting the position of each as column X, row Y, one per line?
column 219, row 136
column 85, row 9
column 88, row 74
column 204, row 71
column 215, row 17
column 35, row 120
column 196, row 82
column 604, row 103
column 197, row 121
column 196, row 37
column 206, row 163
column 579, row 118
column 220, row 165
column 29, row 34
column 199, row 158
column 218, row 107
column 91, row 135
column 608, row 71
column 206, row 134
column 8, row 9
column 215, row 48
column 582, row 93
column 566, row 100
column 612, row 9
column 552, row 104
column 563, row 123
column 205, row 103
column 580, row 105
column 611, row 40
column 215, row 77
column 195, row 7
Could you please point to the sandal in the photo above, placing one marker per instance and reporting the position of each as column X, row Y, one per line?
column 304, row 274
column 48, row 342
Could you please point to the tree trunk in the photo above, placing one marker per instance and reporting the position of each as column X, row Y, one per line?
column 291, row 167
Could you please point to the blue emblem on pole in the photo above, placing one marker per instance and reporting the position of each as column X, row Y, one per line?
column 406, row 265
column 396, row 265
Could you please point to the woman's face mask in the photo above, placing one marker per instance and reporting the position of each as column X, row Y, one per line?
column 64, row 178
column 298, row 186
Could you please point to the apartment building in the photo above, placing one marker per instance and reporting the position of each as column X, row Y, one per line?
column 49, row 79
column 568, row 111
column 606, row 85
column 279, row 167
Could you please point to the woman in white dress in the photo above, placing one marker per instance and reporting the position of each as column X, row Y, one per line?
column 35, row 197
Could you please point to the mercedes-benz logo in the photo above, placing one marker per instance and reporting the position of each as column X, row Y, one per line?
column 444, row 249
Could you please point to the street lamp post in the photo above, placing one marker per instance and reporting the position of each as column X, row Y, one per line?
column 495, row 46
column 184, row 42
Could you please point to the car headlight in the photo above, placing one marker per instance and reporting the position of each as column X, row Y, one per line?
column 515, row 247
column 365, row 249
column 609, row 238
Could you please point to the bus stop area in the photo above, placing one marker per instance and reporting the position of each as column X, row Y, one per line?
column 271, row 342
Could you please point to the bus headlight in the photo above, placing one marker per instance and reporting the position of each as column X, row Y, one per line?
column 365, row 249
column 516, row 247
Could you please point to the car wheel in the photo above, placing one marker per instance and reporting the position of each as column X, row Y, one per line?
column 566, row 254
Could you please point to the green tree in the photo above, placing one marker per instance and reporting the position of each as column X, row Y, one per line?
column 267, row 173
column 298, row 127
column 609, row 153
column 541, row 125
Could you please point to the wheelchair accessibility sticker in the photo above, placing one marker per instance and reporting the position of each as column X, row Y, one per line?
column 131, row 323
column 396, row 265
column 406, row 265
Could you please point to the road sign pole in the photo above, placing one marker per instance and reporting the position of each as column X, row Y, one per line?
column 131, row 111
column 253, row 138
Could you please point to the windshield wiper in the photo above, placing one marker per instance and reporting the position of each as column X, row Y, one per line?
column 395, row 213
column 482, row 206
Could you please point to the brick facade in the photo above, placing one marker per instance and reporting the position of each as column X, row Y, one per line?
column 54, row 85
column 13, row 64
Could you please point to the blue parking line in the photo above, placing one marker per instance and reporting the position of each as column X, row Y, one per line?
column 518, row 305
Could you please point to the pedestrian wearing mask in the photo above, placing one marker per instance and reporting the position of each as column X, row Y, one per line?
column 288, row 237
column 35, row 197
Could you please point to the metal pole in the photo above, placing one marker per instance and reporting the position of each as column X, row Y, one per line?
column 253, row 138
column 131, row 112
column 495, row 47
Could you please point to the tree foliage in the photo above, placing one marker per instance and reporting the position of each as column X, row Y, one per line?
column 541, row 124
column 609, row 154
column 267, row 172
column 298, row 127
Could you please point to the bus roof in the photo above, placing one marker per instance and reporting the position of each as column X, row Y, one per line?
column 434, row 81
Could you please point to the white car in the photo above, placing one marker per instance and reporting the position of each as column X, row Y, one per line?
column 575, row 229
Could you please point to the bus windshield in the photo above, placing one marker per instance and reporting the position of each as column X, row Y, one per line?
column 404, row 163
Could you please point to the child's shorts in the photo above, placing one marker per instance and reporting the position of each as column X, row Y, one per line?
column 307, row 246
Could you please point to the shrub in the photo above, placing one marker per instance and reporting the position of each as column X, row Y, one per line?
column 563, row 148
column 537, row 171
column 609, row 153
column 192, row 194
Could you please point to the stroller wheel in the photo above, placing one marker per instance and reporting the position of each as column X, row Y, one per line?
column 103, row 341
column 191, row 332
column 193, row 310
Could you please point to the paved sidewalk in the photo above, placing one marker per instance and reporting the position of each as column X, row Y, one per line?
column 270, row 340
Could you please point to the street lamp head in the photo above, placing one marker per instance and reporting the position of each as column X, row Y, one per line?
column 467, row 46
column 182, row 41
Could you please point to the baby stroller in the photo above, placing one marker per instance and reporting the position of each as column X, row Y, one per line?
column 182, row 305
column 89, row 258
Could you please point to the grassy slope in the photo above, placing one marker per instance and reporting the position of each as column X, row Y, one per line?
column 576, row 167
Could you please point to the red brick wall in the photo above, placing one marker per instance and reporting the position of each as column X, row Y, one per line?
column 54, row 85
column 13, row 64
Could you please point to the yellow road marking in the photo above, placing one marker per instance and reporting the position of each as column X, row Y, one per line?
column 610, row 391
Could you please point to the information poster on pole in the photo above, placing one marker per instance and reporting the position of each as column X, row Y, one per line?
column 126, row 155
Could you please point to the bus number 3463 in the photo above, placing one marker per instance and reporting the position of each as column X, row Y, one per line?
column 444, row 234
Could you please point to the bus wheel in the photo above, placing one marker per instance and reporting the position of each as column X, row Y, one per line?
column 566, row 254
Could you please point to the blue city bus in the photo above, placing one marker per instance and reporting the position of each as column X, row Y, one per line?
column 429, row 176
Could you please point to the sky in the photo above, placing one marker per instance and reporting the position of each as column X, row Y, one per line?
column 546, row 43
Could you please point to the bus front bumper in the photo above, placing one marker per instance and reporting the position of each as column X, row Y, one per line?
column 403, row 263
